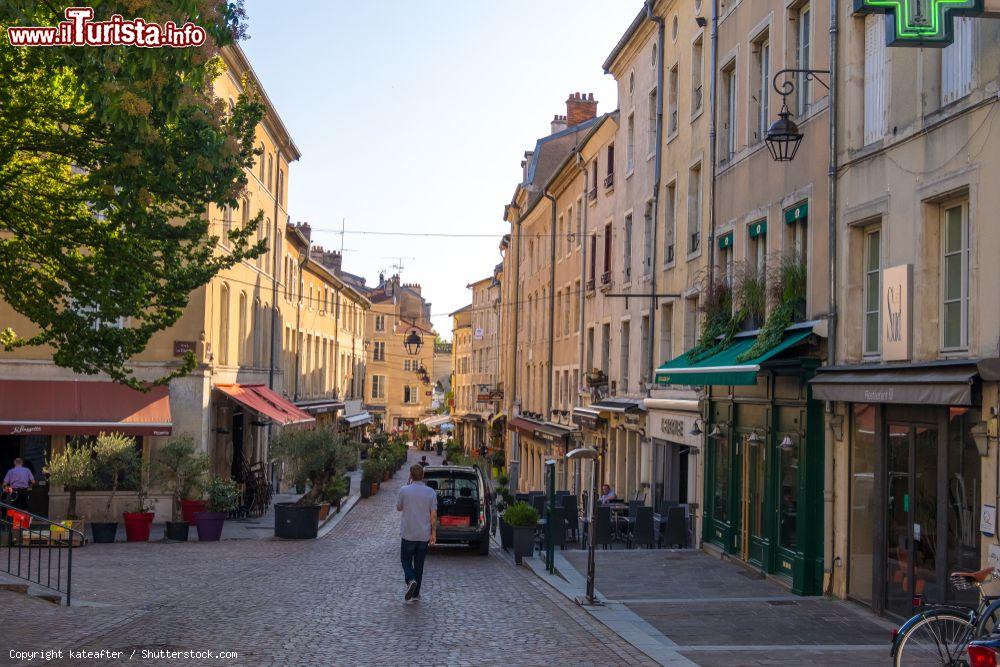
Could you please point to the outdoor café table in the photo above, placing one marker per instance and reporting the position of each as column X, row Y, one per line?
column 618, row 508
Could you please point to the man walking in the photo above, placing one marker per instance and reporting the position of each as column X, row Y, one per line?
column 418, row 503
column 19, row 480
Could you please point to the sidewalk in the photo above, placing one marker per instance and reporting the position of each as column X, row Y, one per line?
column 687, row 607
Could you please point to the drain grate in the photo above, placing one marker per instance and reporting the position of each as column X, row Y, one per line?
column 783, row 603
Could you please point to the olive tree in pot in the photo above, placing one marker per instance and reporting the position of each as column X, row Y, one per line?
column 522, row 518
column 317, row 457
column 117, row 464
column 181, row 470
column 72, row 469
column 223, row 495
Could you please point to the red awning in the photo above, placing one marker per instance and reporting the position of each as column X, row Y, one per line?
column 263, row 401
column 77, row 407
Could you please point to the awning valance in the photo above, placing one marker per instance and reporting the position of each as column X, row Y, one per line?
column 588, row 418
column 265, row 402
column 435, row 421
column 320, row 407
column 722, row 368
column 538, row 429
column 935, row 383
column 798, row 212
column 75, row 407
column 360, row 419
column 618, row 405
column 757, row 228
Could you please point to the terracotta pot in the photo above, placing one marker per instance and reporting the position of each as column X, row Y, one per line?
column 324, row 510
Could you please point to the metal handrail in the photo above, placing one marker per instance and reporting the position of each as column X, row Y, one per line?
column 34, row 548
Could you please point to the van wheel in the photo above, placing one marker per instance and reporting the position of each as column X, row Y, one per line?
column 483, row 547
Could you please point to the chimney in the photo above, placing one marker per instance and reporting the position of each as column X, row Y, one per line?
column 580, row 107
column 558, row 124
column 306, row 230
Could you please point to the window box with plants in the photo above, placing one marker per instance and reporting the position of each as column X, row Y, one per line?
column 181, row 470
column 522, row 519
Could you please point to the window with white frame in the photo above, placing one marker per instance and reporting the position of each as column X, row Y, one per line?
column 955, row 276
column 644, row 343
column 666, row 343
column 626, row 343
column 803, row 56
column 630, row 143
column 690, row 322
column 728, row 111
column 956, row 61
column 672, row 79
column 873, row 290
column 694, row 209
column 647, row 239
column 757, row 250
column 760, row 85
column 651, row 122
column 697, row 74
column 378, row 386
column 669, row 222
column 876, row 80
column 380, row 323
column 406, row 364
column 627, row 255
column 378, row 351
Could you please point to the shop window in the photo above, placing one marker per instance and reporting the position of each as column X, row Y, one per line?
column 964, row 498
column 954, row 277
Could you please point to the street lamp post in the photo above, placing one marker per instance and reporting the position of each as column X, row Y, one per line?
column 783, row 137
column 413, row 342
column 591, row 454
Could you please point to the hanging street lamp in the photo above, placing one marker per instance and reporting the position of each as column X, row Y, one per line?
column 413, row 342
column 783, row 137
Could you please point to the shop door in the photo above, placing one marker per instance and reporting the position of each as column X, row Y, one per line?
column 755, row 461
column 912, row 547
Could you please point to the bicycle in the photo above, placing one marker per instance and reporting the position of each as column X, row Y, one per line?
column 939, row 635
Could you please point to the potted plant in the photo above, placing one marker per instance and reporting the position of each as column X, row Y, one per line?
column 318, row 458
column 181, row 469
column 371, row 472
column 117, row 464
column 334, row 492
column 522, row 518
column 73, row 469
column 139, row 521
column 223, row 495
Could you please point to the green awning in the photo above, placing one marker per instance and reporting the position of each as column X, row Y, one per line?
column 722, row 368
column 798, row 212
column 757, row 228
column 726, row 240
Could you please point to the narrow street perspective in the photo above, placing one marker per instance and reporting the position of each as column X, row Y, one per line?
column 611, row 332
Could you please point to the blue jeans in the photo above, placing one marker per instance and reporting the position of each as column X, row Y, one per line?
column 412, row 555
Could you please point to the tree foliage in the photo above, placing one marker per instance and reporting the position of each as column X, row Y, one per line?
column 72, row 469
column 109, row 159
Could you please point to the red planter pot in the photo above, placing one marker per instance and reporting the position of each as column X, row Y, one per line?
column 137, row 525
column 189, row 507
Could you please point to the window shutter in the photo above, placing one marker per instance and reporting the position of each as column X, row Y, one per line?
column 876, row 98
column 956, row 62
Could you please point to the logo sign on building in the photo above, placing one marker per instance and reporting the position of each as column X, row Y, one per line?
column 478, row 333
column 896, row 313
column 920, row 23
column 182, row 347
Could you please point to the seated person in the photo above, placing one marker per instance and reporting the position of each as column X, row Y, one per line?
column 607, row 495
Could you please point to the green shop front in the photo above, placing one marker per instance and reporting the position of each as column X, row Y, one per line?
column 763, row 454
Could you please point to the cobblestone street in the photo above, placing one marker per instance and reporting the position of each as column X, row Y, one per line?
column 334, row 601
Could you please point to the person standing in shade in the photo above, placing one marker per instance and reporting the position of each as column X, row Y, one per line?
column 19, row 480
column 418, row 503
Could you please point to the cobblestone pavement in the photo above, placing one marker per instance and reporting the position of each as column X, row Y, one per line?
column 718, row 615
column 333, row 601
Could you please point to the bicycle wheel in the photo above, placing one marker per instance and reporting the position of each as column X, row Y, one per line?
column 936, row 640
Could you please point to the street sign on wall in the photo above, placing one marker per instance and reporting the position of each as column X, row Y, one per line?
column 929, row 23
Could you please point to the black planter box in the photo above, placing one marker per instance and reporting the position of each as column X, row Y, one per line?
column 103, row 532
column 296, row 522
column 177, row 531
column 524, row 541
column 506, row 535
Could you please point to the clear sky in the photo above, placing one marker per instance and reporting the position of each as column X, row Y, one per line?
column 413, row 116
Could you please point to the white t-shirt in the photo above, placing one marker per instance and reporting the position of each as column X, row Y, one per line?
column 416, row 501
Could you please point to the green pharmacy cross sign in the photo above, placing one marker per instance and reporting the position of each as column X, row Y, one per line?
column 920, row 22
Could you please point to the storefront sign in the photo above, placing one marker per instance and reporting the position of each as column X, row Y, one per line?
column 896, row 313
column 988, row 520
column 920, row 23
column 182, row 347
column 673, row 427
